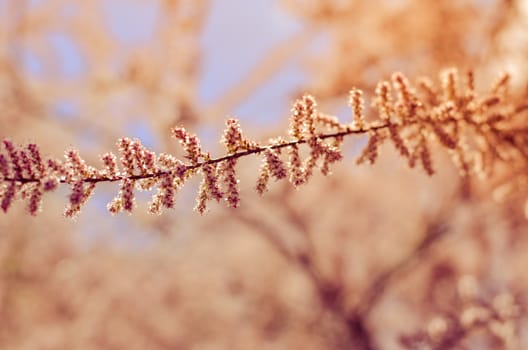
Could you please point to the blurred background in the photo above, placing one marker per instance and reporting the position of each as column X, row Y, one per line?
column 373, row 257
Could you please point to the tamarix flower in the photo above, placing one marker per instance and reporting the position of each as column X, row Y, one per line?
column 477, row 131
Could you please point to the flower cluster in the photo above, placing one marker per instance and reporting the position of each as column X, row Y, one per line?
column 19, row 166
column 478, row 132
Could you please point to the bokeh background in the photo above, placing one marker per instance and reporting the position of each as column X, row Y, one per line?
column 368, row 258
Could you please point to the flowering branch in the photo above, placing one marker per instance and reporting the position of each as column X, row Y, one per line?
column 477, row 131
column 212, row 161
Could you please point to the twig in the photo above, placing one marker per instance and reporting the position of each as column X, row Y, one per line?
column 255, row 150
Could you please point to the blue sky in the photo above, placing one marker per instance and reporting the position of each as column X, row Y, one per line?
column 237, row 35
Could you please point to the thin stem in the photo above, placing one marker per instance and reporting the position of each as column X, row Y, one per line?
column 248, row 152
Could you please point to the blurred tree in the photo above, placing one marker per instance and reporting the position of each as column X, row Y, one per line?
column 378, row 257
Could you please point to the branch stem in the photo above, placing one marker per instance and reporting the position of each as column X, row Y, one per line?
column 255, row 150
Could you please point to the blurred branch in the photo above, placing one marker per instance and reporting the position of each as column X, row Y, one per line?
column 434, row 232
column 328, row 293
column 331, row 294
column 267, row 232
